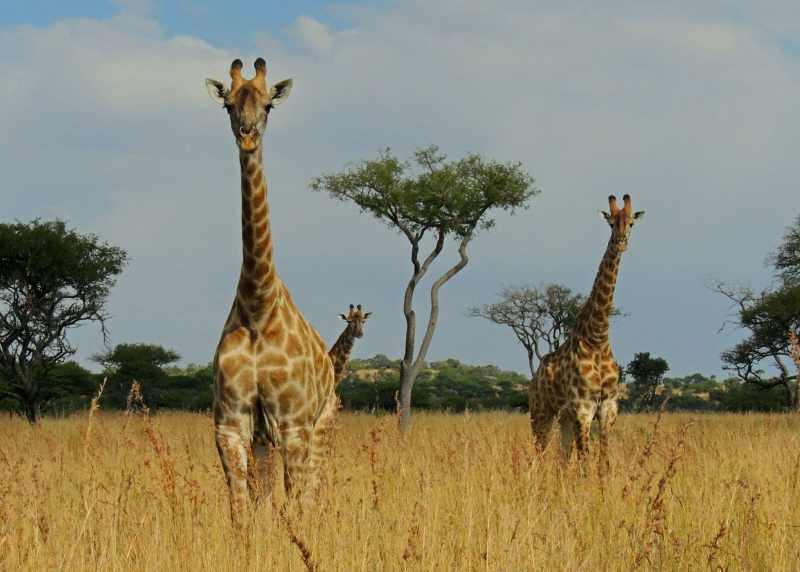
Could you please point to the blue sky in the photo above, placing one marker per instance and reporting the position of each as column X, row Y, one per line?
column 691, row 107
column 232, row 23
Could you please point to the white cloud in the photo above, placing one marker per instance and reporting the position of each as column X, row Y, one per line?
column 312, row 35
column 694, row 114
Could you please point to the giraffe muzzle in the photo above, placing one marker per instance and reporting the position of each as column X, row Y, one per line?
column 247, row 138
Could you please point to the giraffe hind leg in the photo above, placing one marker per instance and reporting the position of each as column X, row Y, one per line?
column 295, row 448
column 606, row 417
column 321, row 439
column 542, row 427
column 261, row 468
column 234, row 448
column 567, row 425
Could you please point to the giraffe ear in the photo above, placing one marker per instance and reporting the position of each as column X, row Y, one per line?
column 367, row 315
column 279, row 92
column 605, row 216
column 638, row 215
column 343, row 317
column 216, row 90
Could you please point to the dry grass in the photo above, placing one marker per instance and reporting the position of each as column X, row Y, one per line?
column 463, row 492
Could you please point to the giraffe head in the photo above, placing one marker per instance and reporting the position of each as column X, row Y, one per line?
column 355, row 319
column 248, row 102
column 621, row 220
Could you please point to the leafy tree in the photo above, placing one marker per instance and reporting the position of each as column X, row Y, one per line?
column 52, row 279
column 647, row 374
column 431, row 198
column 541, row 318
column 144, row 363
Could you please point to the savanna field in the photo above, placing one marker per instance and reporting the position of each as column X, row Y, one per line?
column 461, row 492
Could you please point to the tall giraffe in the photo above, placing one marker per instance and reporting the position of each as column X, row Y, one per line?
column 580, row 379
column 340, row 351
column 272, row 374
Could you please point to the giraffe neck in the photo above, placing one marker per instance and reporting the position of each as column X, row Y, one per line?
column 340, row 352
column 257, row 289
column 593, row 319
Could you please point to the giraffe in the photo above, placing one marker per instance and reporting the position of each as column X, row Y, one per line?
column 340, row 351
column 272, row 374
column 580, row 379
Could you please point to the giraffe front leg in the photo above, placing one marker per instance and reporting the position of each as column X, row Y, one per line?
column 542, row 420
column 583, row 426
column 542, row 427
column 606, row 417
column 567, row 425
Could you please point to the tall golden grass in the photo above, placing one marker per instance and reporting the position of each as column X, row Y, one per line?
column 109, row 492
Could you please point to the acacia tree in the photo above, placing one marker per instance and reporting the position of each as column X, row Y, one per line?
column 541, row 318
column 51, row 279
column 769, row 316
column 429, row 197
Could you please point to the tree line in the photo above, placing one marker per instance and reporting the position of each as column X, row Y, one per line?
column 373, row 384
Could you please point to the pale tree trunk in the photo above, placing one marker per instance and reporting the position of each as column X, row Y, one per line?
column 411, row 364
column 530, row 363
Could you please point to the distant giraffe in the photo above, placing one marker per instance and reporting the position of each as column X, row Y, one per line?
column 794, row 350
column 272, row 374
column 340, row 352
column 579, row 380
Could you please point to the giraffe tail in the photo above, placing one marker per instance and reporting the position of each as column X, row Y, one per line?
column 265, row 430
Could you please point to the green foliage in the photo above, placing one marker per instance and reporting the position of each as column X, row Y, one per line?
column 137, row 361
column 146, row 363
column 66, row 387
column 786, row 258
column 738, row 396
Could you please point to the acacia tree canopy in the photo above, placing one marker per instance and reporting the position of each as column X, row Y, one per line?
column 786, row 258
column 51, row 279
column 429, row 195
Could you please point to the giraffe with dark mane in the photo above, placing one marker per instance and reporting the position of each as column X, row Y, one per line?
column 579, row 381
